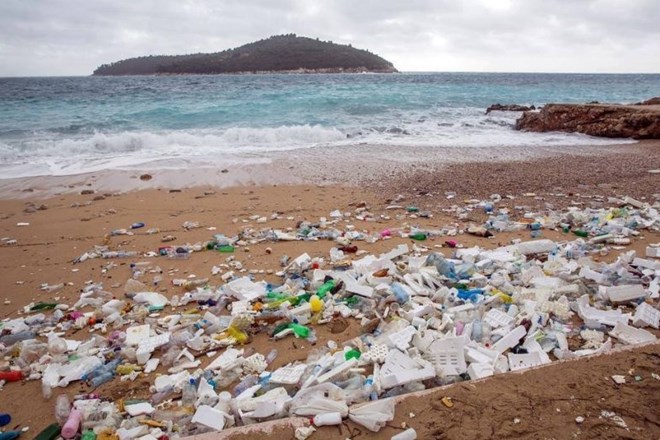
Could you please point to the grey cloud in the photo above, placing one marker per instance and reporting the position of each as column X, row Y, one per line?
column 41, row 37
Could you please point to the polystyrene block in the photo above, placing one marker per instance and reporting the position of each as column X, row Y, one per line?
column 139, row 409
column 497, row 318
column 137, row 333
column 526, row 360
column 288, row 375
column 631, row 335
column 618, row 294
column 360, row 289
column 419, row 310
column 400, row 369
column 338, row 370
column 653, row 252
column 401, row 339
column 590, row 274
column 479, row 370
column 510, row 340
column 594, row 318
column 228, row 360
column 209, row 416
column 475, row 356
column 398, row 251
column 646, row 316
column 536, row 247
column 647, row 264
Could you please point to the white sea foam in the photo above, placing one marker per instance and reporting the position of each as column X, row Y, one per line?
column 53, row 154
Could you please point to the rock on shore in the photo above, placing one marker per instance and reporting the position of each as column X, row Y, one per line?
column 605, row 120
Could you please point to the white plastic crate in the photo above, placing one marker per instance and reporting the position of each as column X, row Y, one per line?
column 400, row 369
column 288, row 375
column 646, row 316
column 447, row 356
column 525, row 360
column 497, row 318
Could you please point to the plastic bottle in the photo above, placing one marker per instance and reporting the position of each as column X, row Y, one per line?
column 333, row 418
column 50, row 432
column 189, row 394
column 271, row 356
column 408, row 434
column 72, row 425
column 88, row 435
column 62, row 409
column 8, row 340
column 11, row 376
column 299, row 330
column 315, row 304
column 246, row 383
column 5, row 419
column 325, row 288
column 400, row 293
column 10, row 435
column 419, row 236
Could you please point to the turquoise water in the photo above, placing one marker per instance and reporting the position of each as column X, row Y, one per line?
column 77, row 124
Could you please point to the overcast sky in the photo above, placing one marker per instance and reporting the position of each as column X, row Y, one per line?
column 72, row 37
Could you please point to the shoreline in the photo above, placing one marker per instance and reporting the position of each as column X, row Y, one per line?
column 371, row 166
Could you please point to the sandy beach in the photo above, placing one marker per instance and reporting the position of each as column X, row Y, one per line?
column 67, row 216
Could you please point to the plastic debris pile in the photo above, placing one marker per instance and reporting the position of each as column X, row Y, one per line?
column 427, row 319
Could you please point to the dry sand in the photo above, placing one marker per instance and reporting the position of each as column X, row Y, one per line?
column 545, row 401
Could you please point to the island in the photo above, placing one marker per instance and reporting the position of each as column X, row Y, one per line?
column 277, row 54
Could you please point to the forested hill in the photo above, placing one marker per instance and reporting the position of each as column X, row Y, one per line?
column 282, row 53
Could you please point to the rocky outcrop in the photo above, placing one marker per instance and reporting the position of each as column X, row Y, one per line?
column 613, row 121
column 509, row 108
column 652, row 101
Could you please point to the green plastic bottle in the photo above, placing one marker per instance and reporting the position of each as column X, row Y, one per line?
column 412, row 209
column 50, row 432
column 88, row 435
column 580, row 233
column 43, row 306
column 352, row 354
column 325, row 288
column 299, row 330
column 420, row 236
column 226, row 248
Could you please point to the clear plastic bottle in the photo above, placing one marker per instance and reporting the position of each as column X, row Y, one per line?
column 62, row 409
column 189, row 394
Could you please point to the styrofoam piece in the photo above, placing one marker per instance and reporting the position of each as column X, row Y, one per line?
column 230, row 359
column 625, row 293
column 653, row 252
column 447, row 356
column 590, row 274
column 631, row 335
column 536, row 247
column 240, row 308
column 475, row 356
column 398, row 251
column 419, row 310
column 593, row 317
column 151, row 365
column 301, row 313
column 137, row 333
column 646, row 316
column 402, row 338
column 139, row 409
column 418, row 322
column 338, row 370
column 209, row 416
column 288, row 375
column 400, row 369
column 360, row 289
column 408, row 434
column 376, row 353
column 647, row 264
column 148, row 345
column 497, row 318
column 526, row 360
column 255, row 363
column 462, row 308
column 245, row 289
column 510, row 340
column 479, row 370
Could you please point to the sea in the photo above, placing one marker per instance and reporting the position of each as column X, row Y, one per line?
column 54, row 126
